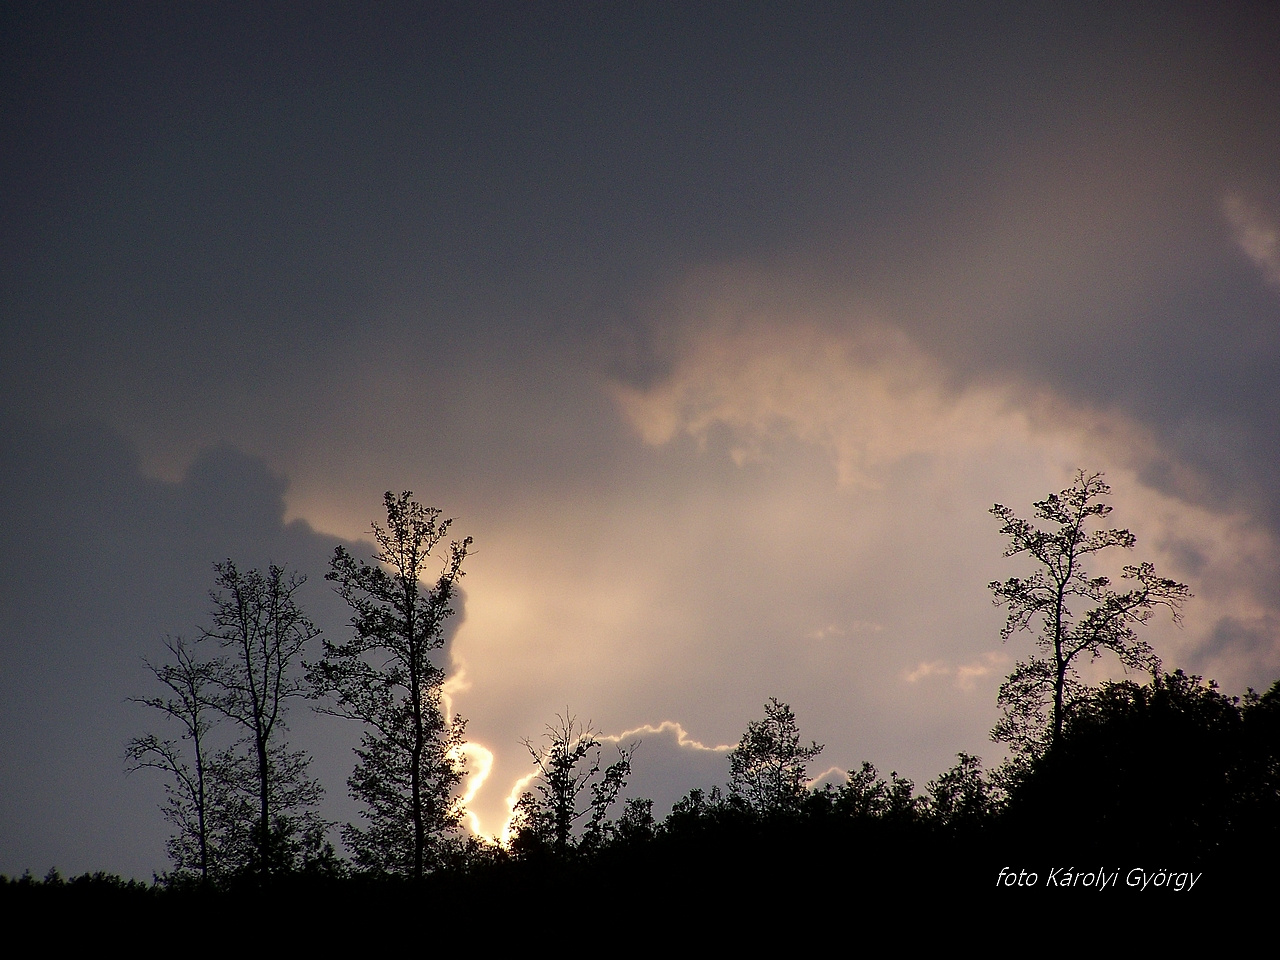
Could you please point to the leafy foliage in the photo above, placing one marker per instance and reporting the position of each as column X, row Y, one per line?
column 960, row 798
column 384, row 780
column 768, row 769
column 1167, row 767
column 636, row 825
column 866, row 796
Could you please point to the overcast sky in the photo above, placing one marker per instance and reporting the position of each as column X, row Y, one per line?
column 720, row 328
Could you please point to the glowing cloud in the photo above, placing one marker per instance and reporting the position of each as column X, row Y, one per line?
column 668, row 727
column 877, row 404
column 1255, row 236
column 870, row 397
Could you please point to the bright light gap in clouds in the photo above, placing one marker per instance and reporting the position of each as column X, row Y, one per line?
column 869, row 397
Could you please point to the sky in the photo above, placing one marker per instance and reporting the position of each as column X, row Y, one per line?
column 719, row 327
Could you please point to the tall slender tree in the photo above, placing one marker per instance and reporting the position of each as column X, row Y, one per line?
column 190, row 792
column 263, row 632
column 409, row 765
column 1072, row 614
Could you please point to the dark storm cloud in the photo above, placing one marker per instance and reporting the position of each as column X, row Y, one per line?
column 207, row 204
column 216, row 166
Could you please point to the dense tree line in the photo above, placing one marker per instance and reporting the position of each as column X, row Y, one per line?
column 1169, row 769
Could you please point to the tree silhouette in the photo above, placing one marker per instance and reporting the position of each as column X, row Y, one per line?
column 866, row 796
column 1048, row 604
column 409, row 765
column 190, row 791
column 768, row 768
column 257, row 621
column 1163, row 768
column 1256, row 781
column 569, row 787
column 242, row 803
column 960, row 798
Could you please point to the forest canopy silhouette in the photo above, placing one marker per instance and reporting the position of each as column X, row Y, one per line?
column 1159, row 772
